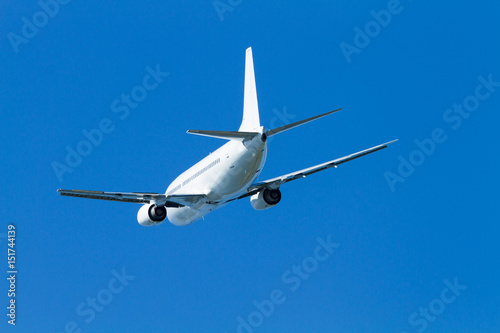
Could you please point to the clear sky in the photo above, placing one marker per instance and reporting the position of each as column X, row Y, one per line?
column 404, row 240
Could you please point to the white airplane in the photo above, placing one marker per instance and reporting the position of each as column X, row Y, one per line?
column 225, row 175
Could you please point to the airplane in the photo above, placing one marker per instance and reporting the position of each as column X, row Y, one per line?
column 225, row 175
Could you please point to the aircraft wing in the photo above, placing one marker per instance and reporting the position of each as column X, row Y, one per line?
column 174, row 200
column 278, row 181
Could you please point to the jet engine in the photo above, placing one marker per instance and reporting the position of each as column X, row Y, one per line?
column 151, row 215
column 265, row 199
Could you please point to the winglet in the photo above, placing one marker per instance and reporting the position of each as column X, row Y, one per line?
column 251, row 120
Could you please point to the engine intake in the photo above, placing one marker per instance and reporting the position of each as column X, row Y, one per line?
column 265, row 199
column 151, row 215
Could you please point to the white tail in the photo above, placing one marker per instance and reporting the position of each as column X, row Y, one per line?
column 251, row 121
column 250, row 124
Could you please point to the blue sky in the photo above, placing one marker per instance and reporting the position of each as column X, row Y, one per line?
column 407, row 222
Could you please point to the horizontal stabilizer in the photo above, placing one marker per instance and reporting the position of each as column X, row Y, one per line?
column 298, row 123
column 228, row 135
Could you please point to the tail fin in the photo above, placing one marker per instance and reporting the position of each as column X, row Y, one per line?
column 251, row 121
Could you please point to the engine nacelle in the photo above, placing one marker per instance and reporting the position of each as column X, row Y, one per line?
column 151, row 215
column 265, row 199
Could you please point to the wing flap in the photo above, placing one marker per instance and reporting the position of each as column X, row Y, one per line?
column 175, row 200
column 278, row 181
column 185, row 199
column 114, row 196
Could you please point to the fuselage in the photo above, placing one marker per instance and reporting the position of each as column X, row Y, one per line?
column 221, row 176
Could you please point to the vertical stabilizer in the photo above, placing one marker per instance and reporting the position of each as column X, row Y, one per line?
column 251, row 121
